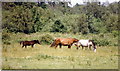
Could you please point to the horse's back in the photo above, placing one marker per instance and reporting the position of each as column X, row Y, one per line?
column 28, row 42
column 84, row 42
column 64, row 41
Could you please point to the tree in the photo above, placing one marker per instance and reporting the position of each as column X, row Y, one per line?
column 24, row 17
column 58, row 27
column 82, row 24
column 94, row 11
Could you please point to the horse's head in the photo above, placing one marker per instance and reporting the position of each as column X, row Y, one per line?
column 21, row 42
column 36, row 41
column 75, row 40
column 93, row 44
column 54, row 43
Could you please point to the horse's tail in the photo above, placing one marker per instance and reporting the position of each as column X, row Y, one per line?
column 53, row 44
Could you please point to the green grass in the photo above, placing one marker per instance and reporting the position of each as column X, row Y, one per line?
column 44, row 57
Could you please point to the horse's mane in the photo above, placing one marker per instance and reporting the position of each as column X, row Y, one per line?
column 76, row 39
column 34, row 40
column 93, row 42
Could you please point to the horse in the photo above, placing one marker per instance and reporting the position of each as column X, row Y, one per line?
column 64, row 41
column 86, row 43
column 29, row 43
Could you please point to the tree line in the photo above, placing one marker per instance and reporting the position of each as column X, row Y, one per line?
column 32, row 17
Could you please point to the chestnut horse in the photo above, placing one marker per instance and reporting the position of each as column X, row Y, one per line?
column 86, row 43
column 29, row 43
column 64, row 41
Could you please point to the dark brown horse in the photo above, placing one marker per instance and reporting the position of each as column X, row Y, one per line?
column 29, row 43
column 64, row 41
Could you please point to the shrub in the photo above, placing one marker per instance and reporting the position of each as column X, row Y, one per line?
column 101, row 42
column 101, row 35
column 46, row 39
column 6, row 38
column 115, row 33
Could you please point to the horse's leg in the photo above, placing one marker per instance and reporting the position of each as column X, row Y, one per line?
column 32, row 46
column 25, row 46
column 90, row 47
column 69, row 46
column 22, row 46
column 82, row 47
column 56, row 46
column 60, row 45
column 77, row 48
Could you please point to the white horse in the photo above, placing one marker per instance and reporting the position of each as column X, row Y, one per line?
column 86, row 43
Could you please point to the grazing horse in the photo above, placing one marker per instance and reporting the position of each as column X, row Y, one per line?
column 29, row 43
column 86, row 43
column 64, row 41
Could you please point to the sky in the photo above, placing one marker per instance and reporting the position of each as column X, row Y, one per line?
column 73, row 2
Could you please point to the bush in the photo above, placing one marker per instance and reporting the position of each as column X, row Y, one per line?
column 46, row 39
column 101, row 35
column 115, row 33
column 101, row 42
column 6, row 38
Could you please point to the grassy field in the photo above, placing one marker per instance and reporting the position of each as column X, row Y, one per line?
column 44, row 57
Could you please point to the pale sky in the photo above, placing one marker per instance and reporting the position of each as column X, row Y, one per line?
column 73, row 2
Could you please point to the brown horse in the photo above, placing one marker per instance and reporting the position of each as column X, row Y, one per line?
column 29, row 43
column 64, row 41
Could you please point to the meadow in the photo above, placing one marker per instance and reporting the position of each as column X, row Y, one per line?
column 46, row 21
column 44, row 57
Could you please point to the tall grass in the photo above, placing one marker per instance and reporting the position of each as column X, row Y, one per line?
column 101, row 39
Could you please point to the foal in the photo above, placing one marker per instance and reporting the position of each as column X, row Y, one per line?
column 29, row 43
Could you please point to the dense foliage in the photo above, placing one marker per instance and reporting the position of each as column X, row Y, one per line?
column 46, row 39
column 41, row 17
